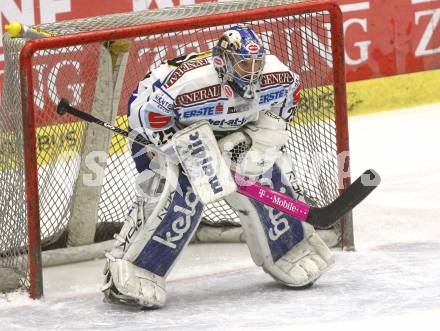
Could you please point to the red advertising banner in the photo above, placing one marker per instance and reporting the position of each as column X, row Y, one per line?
column 382, row 38
column 391, row 37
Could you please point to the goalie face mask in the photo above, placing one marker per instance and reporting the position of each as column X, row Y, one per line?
column 239, row 58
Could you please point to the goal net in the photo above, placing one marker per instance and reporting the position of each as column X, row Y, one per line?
column 66, row 183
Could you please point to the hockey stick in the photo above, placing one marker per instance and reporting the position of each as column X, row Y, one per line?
column 321, row 217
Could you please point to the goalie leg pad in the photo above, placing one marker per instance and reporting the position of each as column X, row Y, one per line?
column 157, row 229
column 287, row 249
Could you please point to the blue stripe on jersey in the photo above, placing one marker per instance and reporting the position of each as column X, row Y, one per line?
column 132, row 97
column 282, row 108
column 167, row 76
column 140, row 157
column 166, row 93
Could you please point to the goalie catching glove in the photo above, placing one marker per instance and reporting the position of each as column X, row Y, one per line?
column 265, row 137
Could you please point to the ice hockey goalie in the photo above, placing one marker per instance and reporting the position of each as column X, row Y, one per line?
column 248, row 98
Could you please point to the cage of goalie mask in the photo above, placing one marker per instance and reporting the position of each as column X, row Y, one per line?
column 239, row 59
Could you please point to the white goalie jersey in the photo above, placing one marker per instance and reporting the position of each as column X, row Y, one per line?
column 188, row 89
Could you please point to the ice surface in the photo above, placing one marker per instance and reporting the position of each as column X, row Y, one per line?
column 392, row 281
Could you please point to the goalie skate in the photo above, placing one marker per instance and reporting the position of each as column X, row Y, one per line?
column 142, row 289
column 111, row 293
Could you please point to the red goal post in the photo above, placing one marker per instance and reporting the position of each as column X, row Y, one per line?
column 319, row 128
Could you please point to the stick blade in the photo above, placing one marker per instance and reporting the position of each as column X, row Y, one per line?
column 325, row 217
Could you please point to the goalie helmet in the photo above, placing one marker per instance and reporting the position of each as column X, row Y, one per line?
column 238, row 58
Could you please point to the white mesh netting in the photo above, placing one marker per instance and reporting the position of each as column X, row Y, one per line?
column 302, row 41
